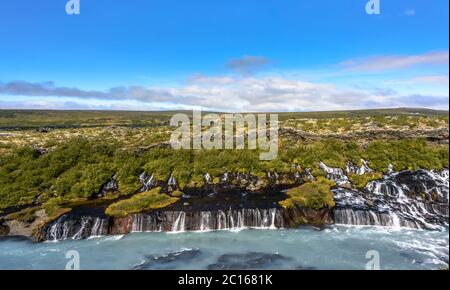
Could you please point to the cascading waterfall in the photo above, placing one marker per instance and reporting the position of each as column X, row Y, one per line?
column 172, row 181
column 364, row 168
column 335, row 174
column 415, row 199
column 241, row 219
column 75, row 228
column 98, row 229
column 81, row 227
column 110, row 187
column 146, row 223
column 78, row 235
column 204, row 221
column 180, row 222
column 147, row 181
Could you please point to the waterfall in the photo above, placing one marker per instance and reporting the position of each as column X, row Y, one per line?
column 205, row 221
column 335, row 174
column 78, row 235
column 81, row 227
column 59, row 231
column 179, row 224
column 76, row 227
column 172, row 181
column 54, row 235
column 414, row 199
column 146, row 181
column 221, row 220
column 241, row 219
column 98, row 228
column 273, row 214
column 363, row 169
column 225, row 177
column 137, row 223
column 390, row 169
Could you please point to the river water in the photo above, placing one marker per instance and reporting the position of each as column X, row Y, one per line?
column 336, row 247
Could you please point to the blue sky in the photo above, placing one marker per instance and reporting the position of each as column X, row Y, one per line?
column 233, row 55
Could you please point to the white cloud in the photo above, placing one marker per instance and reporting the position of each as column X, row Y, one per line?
column 391, row 62
column 247, row 92
column 224, row 94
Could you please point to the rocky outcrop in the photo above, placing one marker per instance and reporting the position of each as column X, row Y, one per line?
column 4, row 230
column 297, row 216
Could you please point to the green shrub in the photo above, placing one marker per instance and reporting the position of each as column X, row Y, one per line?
column 360, row 181
column 140, row 202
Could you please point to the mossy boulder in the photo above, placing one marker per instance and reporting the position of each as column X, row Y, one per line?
column 140, row 202
column 177, row 193
column 312, row 195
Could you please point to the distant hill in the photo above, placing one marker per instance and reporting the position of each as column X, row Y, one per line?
column 29, row 119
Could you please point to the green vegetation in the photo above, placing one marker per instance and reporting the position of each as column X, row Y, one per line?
column 84, row 150
column 177, row 193
column 140, row 202
column 360, row 181
column 403, row 154
column 76, row 169
column 367, row 123
column 314, row 195
column 21, row 119
column 76, row 119
column 80, row 167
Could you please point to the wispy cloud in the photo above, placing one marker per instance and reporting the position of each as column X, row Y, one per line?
column 247, row 64
column 409, row 12
column 436, row 80
column 432, row 79
column 392, row 62
column 246, row 91
column 48, row 89
column 226, row 94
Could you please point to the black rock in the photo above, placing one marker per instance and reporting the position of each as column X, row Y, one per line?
column 247, row 261
column 166, row 261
